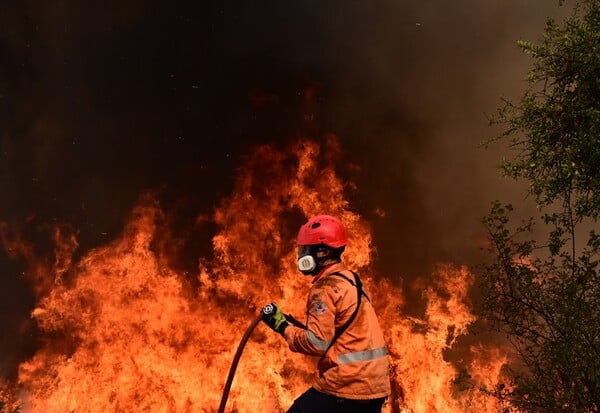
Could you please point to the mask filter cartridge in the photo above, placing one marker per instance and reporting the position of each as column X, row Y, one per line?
column 307, row 263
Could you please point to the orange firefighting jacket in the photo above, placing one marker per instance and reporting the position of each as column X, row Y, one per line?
column 357, row 365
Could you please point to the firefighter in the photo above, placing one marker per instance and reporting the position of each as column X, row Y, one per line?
column 341, row 328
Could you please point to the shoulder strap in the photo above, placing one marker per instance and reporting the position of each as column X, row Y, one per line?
column 359, row 293
column 357, row 283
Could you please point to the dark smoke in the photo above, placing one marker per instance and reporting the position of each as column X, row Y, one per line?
column 99, row 103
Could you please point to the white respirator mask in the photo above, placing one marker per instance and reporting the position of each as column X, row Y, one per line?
column 307, row 264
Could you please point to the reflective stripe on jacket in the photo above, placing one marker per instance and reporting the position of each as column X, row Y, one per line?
column 357, row 365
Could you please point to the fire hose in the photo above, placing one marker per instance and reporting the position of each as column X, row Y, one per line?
column 268, row 309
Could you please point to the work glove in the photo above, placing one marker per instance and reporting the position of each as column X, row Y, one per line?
column 274, row 318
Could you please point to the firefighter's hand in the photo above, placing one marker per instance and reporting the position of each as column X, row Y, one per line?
column 274, row 318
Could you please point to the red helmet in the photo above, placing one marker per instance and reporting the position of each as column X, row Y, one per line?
column 323, row 229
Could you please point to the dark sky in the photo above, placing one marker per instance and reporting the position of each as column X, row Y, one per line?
column 101, row 102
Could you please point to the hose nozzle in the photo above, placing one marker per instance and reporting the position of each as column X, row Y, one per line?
column 269, row 309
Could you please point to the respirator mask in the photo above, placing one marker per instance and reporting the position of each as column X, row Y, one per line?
column 308, row 261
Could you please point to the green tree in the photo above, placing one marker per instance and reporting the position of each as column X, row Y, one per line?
column 543, row 285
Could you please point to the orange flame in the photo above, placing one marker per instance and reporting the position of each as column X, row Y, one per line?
column 126, row 333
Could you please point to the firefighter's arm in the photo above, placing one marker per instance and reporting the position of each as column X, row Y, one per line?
column 315, row 339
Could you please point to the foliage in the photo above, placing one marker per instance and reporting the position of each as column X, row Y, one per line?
column 544, row 290
column 555, row 128
column 550, row 308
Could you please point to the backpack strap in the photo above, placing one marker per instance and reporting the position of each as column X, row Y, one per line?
column 359, row 293
column 357, row 283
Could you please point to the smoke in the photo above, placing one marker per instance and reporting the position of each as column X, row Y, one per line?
column 98, row 104
column 428, row 77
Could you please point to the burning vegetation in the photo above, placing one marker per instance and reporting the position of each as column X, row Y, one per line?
column 122, row 330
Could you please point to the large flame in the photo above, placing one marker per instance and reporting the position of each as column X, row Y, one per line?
column 124, row 332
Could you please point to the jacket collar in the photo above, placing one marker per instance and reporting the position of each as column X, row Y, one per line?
column 328, row 270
